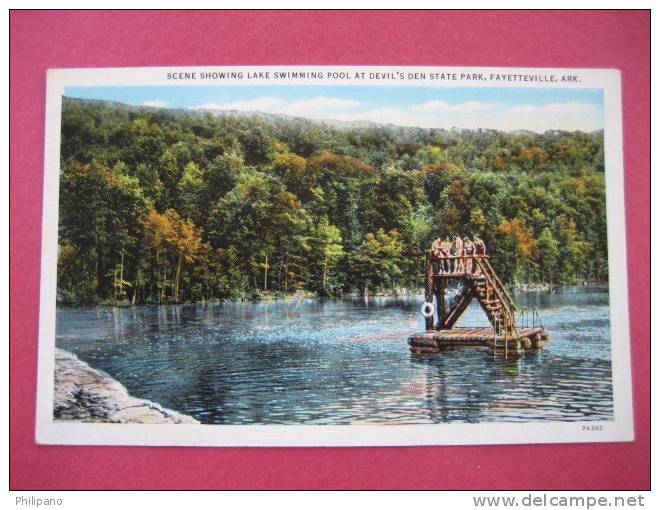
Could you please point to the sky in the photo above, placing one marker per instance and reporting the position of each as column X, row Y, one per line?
column 507, row 109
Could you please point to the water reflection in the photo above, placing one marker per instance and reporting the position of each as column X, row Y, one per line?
column 345, row 362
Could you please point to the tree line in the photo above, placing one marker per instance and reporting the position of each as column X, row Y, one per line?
column 161, row 205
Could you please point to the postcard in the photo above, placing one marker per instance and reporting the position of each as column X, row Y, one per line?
column 333, row 256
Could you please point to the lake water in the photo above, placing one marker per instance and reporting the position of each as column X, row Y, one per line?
column 344, row 361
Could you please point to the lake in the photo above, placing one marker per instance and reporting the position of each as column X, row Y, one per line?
column 346, row 361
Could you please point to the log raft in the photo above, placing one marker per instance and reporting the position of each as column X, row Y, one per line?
column 512, row 332
column 455, row 338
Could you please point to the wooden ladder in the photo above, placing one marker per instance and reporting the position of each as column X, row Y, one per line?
column 494, row 298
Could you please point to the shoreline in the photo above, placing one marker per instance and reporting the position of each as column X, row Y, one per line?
column 84, row 394
column 276, row 296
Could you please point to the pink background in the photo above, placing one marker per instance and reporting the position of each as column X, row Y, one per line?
column 42, row 40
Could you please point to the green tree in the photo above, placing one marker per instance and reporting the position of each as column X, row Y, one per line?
column 378, row 261
column 549, row 254
column 327, row 249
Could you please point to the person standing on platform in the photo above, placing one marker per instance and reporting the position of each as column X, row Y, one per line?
column 457, row 251
column 436, row 246
column 445, row 247
column 437, row 250
column 468, row 249
column 479, row 246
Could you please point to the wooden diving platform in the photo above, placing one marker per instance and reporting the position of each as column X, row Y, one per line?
column 471, row 276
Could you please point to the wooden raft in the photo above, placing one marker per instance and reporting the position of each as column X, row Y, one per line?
column 449, row 339
column 512, row 331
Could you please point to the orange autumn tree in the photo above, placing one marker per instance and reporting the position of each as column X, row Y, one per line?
column 156, row 228
column 532, row 158
column 174, row 241
column 516, row 247
column 186, row 242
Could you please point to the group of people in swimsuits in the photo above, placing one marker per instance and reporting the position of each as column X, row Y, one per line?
column 444, row 248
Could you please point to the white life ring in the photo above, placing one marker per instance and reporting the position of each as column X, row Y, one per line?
column 428, row 309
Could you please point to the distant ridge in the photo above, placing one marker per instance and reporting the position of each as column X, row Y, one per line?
column 278, row 118
column 333, row 123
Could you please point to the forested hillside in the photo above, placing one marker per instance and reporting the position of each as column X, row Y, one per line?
column 171, row 205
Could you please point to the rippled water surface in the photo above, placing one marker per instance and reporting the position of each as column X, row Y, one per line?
column 342, row 362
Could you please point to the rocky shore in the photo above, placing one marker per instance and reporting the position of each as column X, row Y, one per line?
column 84, row 394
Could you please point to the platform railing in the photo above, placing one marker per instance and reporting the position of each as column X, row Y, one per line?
column 455, row 265
column 537, row 318
column 528, row 317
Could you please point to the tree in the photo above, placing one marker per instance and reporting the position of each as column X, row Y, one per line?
column 455, row 215
column 378, row 261
column 292, row 170
column 573, row 251
column 326, row 248
column 515, row 249
column 174, row 241
column 186, row 242
column 157, row 232
column 257, row 146
column 190, row 188
column 548, row 248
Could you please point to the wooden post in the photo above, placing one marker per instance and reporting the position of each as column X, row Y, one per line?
column 442, row 305
column 428, row 294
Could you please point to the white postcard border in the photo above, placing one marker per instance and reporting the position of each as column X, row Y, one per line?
column 620, row 428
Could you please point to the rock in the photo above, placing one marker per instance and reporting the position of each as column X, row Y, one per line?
column 88, row 395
